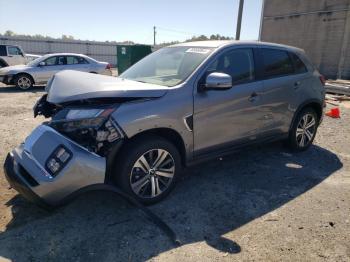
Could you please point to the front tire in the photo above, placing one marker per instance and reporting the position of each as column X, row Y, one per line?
column 304, row 129
column 148, row 169
column 23, row 81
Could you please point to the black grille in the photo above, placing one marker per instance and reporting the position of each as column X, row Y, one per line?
column 31, row 181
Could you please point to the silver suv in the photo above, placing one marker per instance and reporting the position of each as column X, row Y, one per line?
column 180, row 105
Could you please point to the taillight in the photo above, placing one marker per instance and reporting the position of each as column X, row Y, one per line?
column 323, row 80
column 109, row 66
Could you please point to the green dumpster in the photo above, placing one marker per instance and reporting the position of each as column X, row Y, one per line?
column 127, row 55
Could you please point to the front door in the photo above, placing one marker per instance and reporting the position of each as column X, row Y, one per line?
column 52, row 65
column 16, row 57
column 228, row 117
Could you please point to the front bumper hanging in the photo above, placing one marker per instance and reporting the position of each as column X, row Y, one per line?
column 27, row 171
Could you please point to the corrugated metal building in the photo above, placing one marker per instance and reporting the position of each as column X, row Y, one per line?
column 101, row 51
column 320, row 27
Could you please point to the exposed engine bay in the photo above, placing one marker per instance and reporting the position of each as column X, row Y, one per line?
column 80, row 106
column 87, row 122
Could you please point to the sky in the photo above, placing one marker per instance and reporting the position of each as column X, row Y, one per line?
column 130, row 19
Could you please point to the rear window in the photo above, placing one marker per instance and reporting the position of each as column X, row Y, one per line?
column 276, row 63
column 299, row 66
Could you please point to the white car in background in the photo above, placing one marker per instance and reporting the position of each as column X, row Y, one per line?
column 42, row 69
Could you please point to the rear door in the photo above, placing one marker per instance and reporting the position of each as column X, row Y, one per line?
column 282, row 83
column 228, row 117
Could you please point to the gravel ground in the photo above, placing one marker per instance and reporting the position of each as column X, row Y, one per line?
column 264, row 203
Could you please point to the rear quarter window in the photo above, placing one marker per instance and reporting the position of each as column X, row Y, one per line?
column 276, row 63
column 299, row 65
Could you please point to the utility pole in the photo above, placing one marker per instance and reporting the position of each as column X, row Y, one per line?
column 239, row 19
column 154, row 35
column 261, row 19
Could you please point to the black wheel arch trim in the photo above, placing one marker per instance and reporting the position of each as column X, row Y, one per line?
column 24, row 73
column 304, row 105
column 111, row 160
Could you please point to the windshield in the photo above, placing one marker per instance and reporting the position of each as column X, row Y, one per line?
column 36, row 61
column 168, row 66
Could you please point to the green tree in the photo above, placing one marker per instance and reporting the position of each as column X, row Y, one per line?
column 9, row 33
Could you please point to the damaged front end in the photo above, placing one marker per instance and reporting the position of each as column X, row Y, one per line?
column 77, row 147
column 67, row 154
column 87, row 123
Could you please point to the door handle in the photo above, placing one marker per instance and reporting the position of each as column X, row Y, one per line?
column 253, row 97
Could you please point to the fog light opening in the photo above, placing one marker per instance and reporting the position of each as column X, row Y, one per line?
column 58, row 160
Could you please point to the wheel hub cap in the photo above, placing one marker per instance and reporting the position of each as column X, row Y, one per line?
column 152, row 173
column 24, row 82
column 306, row 130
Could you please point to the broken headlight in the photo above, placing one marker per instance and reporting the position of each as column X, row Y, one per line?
column 90, row 128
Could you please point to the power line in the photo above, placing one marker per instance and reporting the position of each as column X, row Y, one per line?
column 177, row 31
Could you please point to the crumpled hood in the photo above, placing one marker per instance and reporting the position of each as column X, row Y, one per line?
column 13, row 69
column 68, row 86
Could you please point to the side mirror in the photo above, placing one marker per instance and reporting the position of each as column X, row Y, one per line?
column 218, row 81
column 42, row 64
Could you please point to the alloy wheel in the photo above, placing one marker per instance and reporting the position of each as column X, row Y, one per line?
column 152, row 173
column 306, row 130
column 24, row 82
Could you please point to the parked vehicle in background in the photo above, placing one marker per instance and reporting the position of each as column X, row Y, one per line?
column 180, row 105
column 11, row 55
column 42, row 69
column 31, row 57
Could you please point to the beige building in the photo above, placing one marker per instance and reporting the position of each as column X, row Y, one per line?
column 320, row 27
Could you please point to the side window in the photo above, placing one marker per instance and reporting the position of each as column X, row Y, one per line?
column 299, row 66
column 81, row 60
column 276, row 63
column 72, row 60
column 3, row 51
column 62, row 60
column 238, row 63
column 51, row 61
column 13, row 50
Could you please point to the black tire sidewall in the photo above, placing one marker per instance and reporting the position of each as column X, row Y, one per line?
column 292, row 141
column 128, row 157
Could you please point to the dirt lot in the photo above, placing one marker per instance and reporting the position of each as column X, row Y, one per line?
column 261, row 204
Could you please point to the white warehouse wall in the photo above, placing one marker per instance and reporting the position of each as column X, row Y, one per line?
column 101, row 51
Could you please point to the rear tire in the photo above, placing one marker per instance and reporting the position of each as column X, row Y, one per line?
column 148, row 169
column 23, row 81
column 304, row 129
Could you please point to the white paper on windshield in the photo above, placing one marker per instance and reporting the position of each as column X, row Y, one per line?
column 198, row 50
